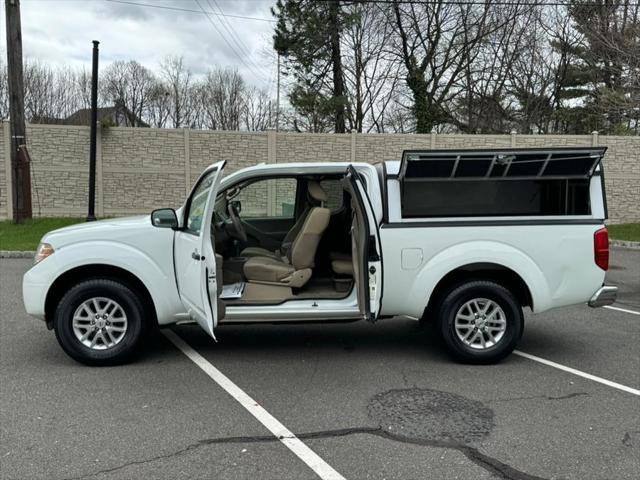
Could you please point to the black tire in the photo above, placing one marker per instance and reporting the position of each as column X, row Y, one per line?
column 454, row 300
column 125, row 297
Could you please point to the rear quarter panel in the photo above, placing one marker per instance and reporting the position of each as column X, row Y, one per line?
column 555, row 261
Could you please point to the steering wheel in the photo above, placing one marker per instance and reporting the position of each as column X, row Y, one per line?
column 238, row 230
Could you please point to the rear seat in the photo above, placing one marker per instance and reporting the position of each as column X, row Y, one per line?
column 341, row 263
column 342, row 267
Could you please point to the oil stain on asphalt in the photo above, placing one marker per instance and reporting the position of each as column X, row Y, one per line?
column 431, row 415
column 434, row 418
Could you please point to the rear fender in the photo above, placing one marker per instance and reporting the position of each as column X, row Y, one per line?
column 478, row 252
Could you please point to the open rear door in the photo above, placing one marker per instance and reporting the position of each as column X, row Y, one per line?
column 195, row 260
column 366, row 250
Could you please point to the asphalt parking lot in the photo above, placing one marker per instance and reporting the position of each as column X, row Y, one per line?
column 376, row 401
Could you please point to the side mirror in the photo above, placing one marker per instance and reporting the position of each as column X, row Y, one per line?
column 164, row 218
column 236, row 205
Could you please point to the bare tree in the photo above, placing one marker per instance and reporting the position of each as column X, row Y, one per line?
column 128, row 86
column 50, row 93
column 159, row 106
column 258, row 111
column 82, row 89
column 539, row 71
column 221, row 97
column 178, row 82
column 4, row 88
column 40, row 96
column 485, row 104
column 369, row 68
column 437, row 41
column 397, row 116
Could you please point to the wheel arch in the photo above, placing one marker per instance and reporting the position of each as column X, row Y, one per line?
column 495, row 272
column 97, row 270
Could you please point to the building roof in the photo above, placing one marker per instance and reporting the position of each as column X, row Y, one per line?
column 83, row 116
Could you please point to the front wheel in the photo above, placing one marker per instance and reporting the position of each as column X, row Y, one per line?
column 480, row 321
column 99, row 322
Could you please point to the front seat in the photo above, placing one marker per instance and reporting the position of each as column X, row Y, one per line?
column 316, row 196
column 293, row 269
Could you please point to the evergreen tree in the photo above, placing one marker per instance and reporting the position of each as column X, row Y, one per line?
column 307, row 36
column 603, row 81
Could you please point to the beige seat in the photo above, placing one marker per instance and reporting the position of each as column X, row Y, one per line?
column 293, row 269
column 341, row 263
column 342, row 267
column 316, row 196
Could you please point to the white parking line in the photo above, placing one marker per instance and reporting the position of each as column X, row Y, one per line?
column 282, row 433
column 632, row 312
column 579, row 373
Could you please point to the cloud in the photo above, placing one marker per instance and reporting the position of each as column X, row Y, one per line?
column 59, row 32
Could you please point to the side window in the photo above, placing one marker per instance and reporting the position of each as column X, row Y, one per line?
column 195, row 214
column 458, row 198
column 335, row 193
column 275, row 198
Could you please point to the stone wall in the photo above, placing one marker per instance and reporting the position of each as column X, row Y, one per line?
column 141, row 169
column 5, row 170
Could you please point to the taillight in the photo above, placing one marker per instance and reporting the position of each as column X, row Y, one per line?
column 601, row 248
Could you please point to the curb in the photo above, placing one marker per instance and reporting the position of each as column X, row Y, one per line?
column 16, row 254
column 625, row 244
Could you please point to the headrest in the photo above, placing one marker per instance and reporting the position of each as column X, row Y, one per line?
column 316, row 191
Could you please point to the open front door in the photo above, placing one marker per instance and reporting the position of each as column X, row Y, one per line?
column 194, row 256
column 366, row 247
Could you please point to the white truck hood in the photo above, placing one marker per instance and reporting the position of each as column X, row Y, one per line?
column 131, row 230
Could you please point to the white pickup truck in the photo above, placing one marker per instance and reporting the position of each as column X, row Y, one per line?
column 464, row 238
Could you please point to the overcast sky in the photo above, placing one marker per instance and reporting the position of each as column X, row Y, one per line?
column 60, row 32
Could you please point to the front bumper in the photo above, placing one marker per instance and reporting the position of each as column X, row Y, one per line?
column 605, row 295
column 34, row 293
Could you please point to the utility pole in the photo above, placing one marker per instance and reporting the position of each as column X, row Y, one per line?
column 20, row 164
column 278, row 96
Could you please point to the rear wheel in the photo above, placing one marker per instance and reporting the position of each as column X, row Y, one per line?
column 480, row 321
column 99, row 322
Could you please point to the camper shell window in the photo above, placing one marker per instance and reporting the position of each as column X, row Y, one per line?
column 505, row 182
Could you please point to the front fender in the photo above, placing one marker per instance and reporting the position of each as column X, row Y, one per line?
column 468, row 253
column 158, row 277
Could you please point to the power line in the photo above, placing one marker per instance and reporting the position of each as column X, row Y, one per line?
column 180, row 9
column 230, row 30
column 256, row 70
column 240, row 56
column 234, row 35
column 528, row 3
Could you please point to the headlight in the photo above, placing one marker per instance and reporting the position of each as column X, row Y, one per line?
column 44, row 250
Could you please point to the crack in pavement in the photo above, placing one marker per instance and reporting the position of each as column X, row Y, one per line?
column 484, row 461
column 535, row 397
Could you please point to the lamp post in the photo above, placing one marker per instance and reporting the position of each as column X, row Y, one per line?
column 91, row 216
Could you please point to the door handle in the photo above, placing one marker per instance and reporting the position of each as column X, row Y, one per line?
column 196, row 256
